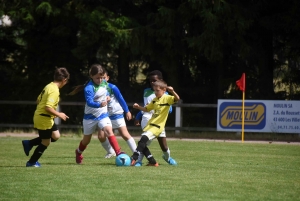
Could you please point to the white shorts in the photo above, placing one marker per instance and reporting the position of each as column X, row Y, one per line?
column 117, row 123
column 144, row 123
column 90, row 126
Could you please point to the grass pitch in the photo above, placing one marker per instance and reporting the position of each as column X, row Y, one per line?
column 207, row 170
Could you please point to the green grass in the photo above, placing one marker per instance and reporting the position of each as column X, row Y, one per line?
column 207, row 170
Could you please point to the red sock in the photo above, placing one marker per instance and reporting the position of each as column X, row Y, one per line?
column 114, row 143
column 81, row 147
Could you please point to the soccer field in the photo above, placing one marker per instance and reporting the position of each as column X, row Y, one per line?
column 207, row 170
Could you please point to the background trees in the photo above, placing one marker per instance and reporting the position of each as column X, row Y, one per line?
column 202, row 47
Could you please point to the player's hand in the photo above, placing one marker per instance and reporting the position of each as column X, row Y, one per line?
column 103, row 104
column 108, row 98
column 170, row 89
column 137, row 122
column 63, row 116
column 136, row 106
column 128, row 116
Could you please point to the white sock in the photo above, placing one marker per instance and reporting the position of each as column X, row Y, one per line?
column 106, row 145
column 167, row 154
column 131, row 143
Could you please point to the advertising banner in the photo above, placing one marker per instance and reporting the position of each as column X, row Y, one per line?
column 259, row 116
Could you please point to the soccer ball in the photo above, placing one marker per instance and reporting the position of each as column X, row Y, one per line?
column 123, row 160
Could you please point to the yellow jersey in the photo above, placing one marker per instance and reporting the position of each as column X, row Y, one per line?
column 161, row 107
column 48, row 97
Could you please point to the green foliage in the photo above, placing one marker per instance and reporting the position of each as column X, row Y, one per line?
column 201, row 46
column 44, row 8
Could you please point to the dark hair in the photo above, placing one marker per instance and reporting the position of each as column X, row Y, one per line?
column 157, row 73
column 60, row 74
column 94, row 70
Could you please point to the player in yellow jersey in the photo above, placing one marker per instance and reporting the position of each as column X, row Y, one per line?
column 44, row 115
column 160, row 105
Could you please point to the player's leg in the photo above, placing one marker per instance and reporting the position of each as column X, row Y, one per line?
column 55, row 134
column 162, row 140
column 121, row 125
column 45, row 136
column 106, row 126
column 28, row 144
column 139, row 162
column 142, row 144
column 105, row 144
column 150, row 158
column 89, row 126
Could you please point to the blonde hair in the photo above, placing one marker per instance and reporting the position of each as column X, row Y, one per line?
column 160, row 83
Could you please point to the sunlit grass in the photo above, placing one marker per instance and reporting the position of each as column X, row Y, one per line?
column 206, row 170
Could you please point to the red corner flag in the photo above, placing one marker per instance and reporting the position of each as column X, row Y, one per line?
column 241, row 83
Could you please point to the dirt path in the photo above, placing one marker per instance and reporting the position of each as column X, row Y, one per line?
column 183, row 139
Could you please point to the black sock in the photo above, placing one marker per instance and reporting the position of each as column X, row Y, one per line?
column 38, row 152
column 140, row 148
column 135, row 155
column 35, row 141
column 149, row 156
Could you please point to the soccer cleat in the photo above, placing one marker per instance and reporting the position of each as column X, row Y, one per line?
column 26, row 147
column 79, row 157
column 133, row 162
column 155, row 165
column 36, row 164
column 109, row 155
column 171, row 160
column 138, row 164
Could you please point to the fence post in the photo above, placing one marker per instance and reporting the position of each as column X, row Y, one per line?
column 178, row 120
column 57, row 120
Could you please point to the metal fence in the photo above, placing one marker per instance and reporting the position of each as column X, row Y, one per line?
column 177, row 124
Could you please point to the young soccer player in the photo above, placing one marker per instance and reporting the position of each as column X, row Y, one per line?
column 43, row 117
column 145, row 116
column 95, row 113
column 160, row 106
column 116, row 107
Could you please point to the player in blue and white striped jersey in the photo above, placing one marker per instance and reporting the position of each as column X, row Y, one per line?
column 117, row 106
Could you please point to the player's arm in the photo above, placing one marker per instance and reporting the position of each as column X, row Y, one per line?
column 171, row 90
column 120, row 98
column 89, row 98
column 137, row 106
column 138, row 118
column 52, row 111
column 171, row 109
column 121, row 101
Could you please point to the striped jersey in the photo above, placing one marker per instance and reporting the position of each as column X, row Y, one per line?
column 117, row 105
column 94, row 95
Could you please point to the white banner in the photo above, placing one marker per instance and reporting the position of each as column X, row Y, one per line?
column 260, row 116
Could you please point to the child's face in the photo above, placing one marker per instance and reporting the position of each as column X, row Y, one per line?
column 105, row 76
column 159, row 91
column 97, row 79
column 152, row 79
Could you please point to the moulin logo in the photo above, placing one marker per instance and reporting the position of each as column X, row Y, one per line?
column 231, row 115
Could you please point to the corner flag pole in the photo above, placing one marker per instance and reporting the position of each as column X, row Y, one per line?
column 243, row 116
column 241, row 83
